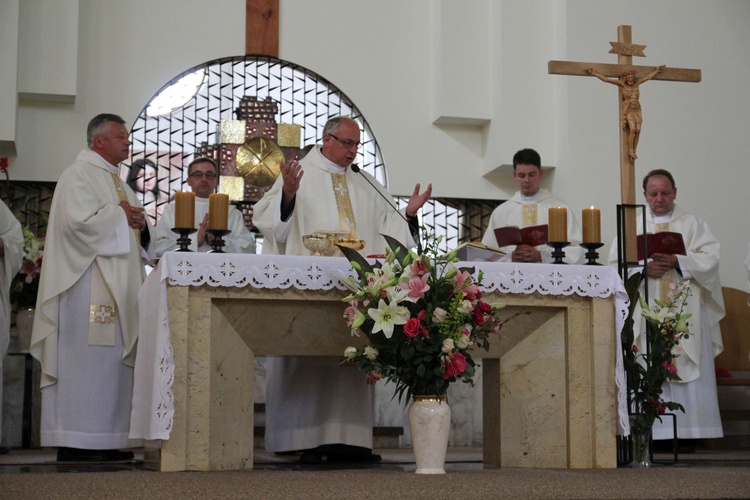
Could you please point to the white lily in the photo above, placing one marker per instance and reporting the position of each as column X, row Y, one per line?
column 386, row 316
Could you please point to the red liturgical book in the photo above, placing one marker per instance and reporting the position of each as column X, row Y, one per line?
column 664, row 242
column 513, row 235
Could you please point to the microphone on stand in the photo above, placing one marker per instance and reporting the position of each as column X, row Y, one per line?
column 355, row 168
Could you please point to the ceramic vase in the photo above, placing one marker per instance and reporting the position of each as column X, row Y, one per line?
column 429, row 423
column 24, row 324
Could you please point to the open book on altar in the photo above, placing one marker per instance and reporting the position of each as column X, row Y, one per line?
column 514, row 235
column 667, row 242
column 475, row 251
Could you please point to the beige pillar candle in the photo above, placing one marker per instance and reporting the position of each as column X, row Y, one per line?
column 218, row 211
column 558, row 224
column 184, row 209
column 592, row 225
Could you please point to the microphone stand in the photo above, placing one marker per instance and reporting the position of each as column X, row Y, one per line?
column 355, row 168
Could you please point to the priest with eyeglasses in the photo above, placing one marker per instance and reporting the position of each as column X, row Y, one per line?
column 203, row 177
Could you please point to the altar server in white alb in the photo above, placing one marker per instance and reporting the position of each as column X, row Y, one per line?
column 203, row 176
column 530, row 206
column 86, row 323
column 322, row 409
column 700, row 269
column 11, row 257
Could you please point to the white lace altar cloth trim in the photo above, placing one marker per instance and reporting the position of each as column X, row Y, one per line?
column 153, row 403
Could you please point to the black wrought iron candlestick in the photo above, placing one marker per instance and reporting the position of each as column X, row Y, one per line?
column 218, row 242
column 183, row 242
column 558, row 254
column 591, row 253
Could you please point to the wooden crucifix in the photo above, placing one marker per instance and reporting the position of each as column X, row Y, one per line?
column 262, row 27
column 626, row 77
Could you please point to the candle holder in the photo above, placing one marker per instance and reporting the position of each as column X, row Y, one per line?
column 558, row 254
column 591, row 253
column 183, row 242
column 218, row 242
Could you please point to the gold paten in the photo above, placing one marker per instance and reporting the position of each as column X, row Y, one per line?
column 259, row 161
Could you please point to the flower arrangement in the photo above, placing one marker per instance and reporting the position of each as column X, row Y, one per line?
column 666, row 326
column 421, row 315
column 25, row 284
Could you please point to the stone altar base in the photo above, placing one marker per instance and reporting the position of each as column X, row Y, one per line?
column 548, row 386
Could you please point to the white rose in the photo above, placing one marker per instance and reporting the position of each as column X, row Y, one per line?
column 371, row 353
column 448, row 346
column 464, row 342
column 439, row 314
column 350, row 352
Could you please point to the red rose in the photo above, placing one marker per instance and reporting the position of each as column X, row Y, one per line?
column 454, row 365
column 412, row 327
column 3, row 164
column 478, row 317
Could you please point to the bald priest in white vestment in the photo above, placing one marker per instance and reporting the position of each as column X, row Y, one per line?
column 11, row 257
column 203, row 176
column 530, row 206
column 696, row 392
column 322, row 409
column 86, row 324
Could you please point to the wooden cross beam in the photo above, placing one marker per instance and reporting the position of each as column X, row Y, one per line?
column 630, row 118
column 262, row 27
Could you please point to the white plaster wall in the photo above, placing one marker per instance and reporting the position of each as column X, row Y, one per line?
column 381, row 55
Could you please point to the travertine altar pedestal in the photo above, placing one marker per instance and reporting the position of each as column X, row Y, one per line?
column 549, row 385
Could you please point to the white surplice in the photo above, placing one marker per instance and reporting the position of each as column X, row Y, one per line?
column 311, row 403
column 695, row 366
column 87, row 389
column 511, row 213
column 10, row 262
column 239, row 240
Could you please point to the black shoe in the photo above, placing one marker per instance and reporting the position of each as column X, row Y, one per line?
column 119, row 456
column 358, row 458
column 311, row 457
column 82, row 455
column 344, row 453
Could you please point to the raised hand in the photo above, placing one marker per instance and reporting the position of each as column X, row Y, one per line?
column 416, row 200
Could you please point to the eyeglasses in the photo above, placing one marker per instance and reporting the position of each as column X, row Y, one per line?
column 199, row 175
column 348, row 144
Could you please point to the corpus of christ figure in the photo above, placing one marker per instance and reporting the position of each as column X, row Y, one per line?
column 630, row 107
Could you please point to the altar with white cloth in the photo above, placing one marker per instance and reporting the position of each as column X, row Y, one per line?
column 553, row 387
